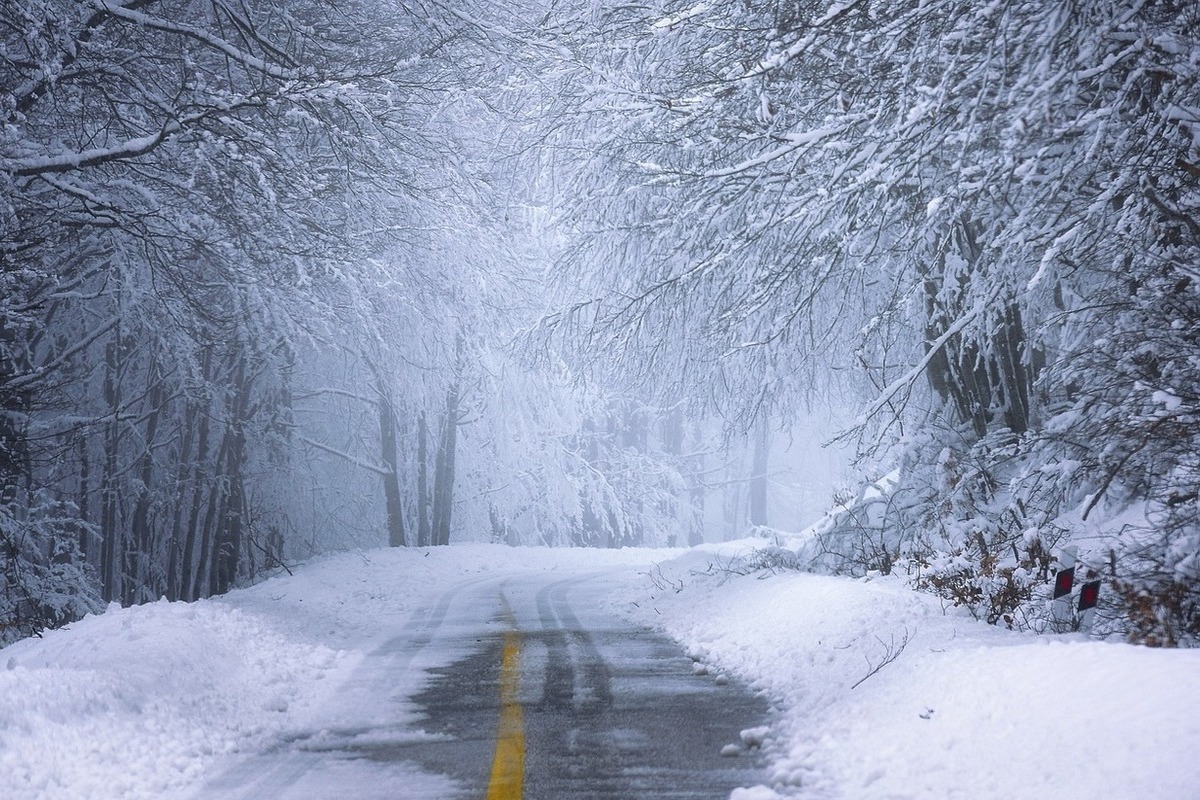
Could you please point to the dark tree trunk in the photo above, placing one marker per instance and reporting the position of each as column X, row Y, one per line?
column 391, row 481
column 983, row 381
column 218, row 492
column 184, row 467
column 1014, row 374
column 84, row 491
column 227, row 539
column 139, row 547
column 189, row 568
column 15, row 403
column 110, row 531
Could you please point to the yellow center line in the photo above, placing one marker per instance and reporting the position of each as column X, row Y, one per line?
column 508, row 765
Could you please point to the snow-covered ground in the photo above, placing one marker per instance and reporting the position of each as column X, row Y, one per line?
column 149, row 702
column 965, row 710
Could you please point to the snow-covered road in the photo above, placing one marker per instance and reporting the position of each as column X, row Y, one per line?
column 610, row 709
column 383, row 674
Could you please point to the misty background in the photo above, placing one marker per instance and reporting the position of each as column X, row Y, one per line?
column 278, row 281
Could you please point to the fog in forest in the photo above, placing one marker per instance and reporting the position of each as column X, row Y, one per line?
column 907, row 287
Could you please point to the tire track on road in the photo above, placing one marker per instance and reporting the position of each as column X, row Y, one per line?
column 285, row 762
column 622, row 715
column 582, row 684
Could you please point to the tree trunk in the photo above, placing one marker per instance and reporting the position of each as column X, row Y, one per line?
column 1014, row 373
column 499, row 527
column 423, row 534
column 758, row 477
column 15, row 404
column 189, row 567
column 110, row 532
column 183, row 467
column 141, row 541
column 981, row 380
column 227, row 539
column 391, row 481
column 696, row 492
column 443, row 480
column 84, row 490
column 217, row 491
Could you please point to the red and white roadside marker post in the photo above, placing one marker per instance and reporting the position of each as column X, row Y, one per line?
column 1064, row 616
column 1064, row 580
column 1089, row 596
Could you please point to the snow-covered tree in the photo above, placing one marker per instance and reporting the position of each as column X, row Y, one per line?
column 945, row 201
column 190, row 190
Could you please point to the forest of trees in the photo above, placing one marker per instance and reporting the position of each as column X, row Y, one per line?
column 282, row 280
column 976, row 221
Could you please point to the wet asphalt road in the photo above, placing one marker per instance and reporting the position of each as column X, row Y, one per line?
column 610, row 711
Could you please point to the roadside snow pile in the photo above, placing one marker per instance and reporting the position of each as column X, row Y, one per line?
column 883, row 694
column 143, row 702
column 139, row 702
column 134, row 702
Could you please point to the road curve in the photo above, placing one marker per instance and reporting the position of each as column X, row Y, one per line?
column 532, row 691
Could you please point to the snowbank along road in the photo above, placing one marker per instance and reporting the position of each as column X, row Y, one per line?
column 481, row 671
column 535, row 691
